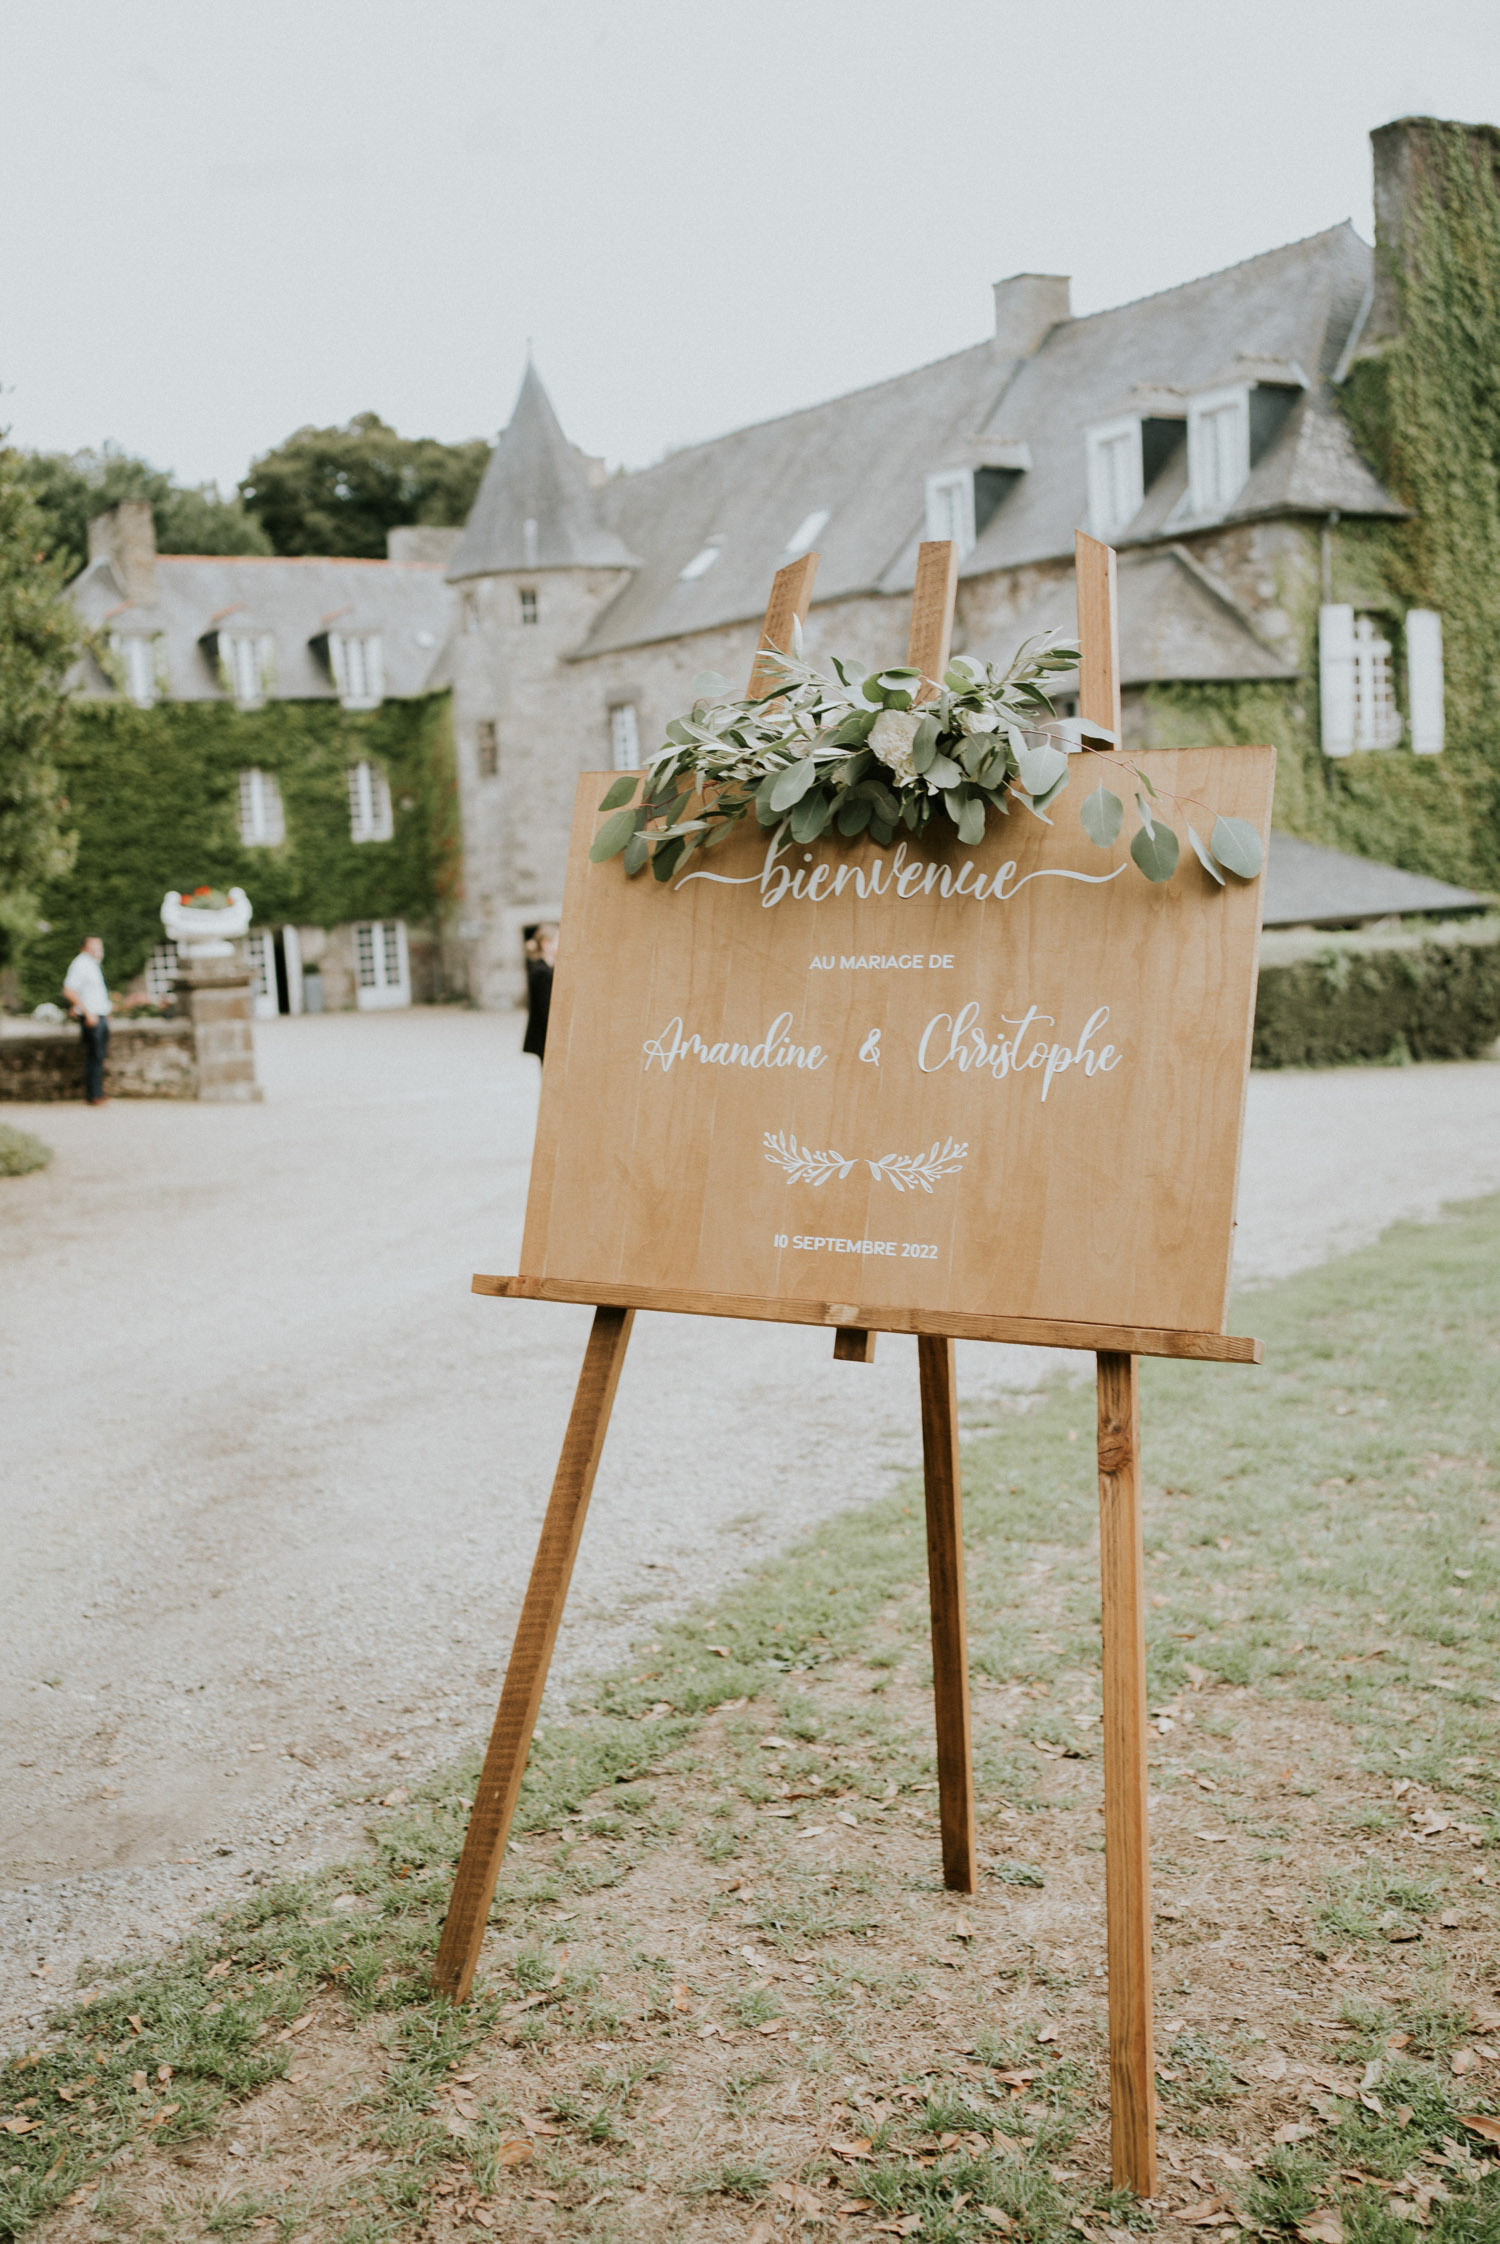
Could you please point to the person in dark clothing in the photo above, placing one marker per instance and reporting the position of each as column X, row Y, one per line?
column 541, row 950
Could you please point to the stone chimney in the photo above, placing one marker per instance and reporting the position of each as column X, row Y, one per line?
column 1409, row 161
column 1027, row 306
column 126, row 539
column 421, row 545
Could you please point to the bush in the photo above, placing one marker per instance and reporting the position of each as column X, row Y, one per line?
column 1397, row 998
column 20, row 1152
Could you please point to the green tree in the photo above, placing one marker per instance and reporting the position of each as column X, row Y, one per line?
column 40, row 638
column 72, row 487
column 340, row 490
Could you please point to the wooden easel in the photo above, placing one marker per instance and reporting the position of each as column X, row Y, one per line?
column 1122, row 1563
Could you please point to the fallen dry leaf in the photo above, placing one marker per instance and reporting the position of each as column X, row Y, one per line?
column 297, row 2026
column 535, row 2126
column 856, row 2147
column 997, row 2218
column 1462, row 2061
column 19, row 2126
column 1323, row 2228
column 514, row 2151
column 1482, row 2124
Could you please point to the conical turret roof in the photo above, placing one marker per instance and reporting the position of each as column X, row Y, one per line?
column 535, row 508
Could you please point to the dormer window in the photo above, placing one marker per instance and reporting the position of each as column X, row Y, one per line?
column 137, row 657
column 1116, row 475
column 807, row 530
column 528, row 604
column 369, row 804
column 950, row 509
column 702, row 561
column 357, row 661
column 1218, row 431
column 244, row 664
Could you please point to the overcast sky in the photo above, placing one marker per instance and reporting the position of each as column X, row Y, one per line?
column 225, row 218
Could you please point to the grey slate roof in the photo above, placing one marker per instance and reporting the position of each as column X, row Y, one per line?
column 295, row 601
column 1309, row 886
column 535, row 477
column 1285, row 315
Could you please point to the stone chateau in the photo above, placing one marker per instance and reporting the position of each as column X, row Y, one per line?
column 1198, row 430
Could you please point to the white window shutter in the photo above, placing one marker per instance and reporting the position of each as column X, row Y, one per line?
column 1336, row 678
column 1424, row 680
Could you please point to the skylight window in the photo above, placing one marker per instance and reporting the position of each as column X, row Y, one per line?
column 702, row 561
column 807, row 529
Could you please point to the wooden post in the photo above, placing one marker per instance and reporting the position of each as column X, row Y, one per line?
column 1098, row 633
column 791, row 597
column 932, row 600
column 945, row 1589
column 1127, row 1845
column 531, row 1655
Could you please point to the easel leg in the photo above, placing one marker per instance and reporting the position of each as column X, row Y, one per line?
column 945, row 1583
column 1127, row 1856
column 531, row 1655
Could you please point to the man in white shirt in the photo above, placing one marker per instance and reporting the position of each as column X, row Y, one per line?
column 87, row 994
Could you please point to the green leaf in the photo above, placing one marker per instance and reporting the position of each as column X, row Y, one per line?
column 613, row 836
column 1145, row 779
column 1156, row 851
column 721, row 832
column 1144, row 808
column 664, row 859
column 1041, row 768
column 962, row 673
column 810, row 815
column 792, row 784
column 855, row 813
column 971, row 821
column 924, row 744
column 677, row 731
column 623, row 790
column 1237, row 846
column 709, row 686
column 881, row 832
column 636, row 853
column 943, row 772
column 1102, row 815
column 1203, row 854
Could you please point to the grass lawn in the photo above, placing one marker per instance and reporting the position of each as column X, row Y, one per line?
column 724, row 1994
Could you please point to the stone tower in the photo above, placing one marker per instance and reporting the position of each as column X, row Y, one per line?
column 533, row 570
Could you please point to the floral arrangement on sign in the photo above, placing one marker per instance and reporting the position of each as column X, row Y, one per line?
column 856, row 754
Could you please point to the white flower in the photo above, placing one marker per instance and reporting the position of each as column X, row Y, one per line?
column 891, row 737
column 977, row 720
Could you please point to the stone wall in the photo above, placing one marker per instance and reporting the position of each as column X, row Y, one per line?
column 147, row 1060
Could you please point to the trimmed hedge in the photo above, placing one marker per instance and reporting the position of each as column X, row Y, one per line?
column 1404, row 997
column 20, row 1152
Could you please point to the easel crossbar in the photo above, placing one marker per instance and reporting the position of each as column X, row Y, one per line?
column 945, row 1324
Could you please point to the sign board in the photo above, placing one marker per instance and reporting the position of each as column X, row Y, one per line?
column 1006, row 1081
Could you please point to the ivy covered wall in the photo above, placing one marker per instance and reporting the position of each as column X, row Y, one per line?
column 154, row 798
column 1424, row 406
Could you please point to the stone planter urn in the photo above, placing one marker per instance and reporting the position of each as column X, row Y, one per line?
column 201, row 931
column 213, row 985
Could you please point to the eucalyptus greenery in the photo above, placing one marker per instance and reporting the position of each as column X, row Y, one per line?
column 853, row 754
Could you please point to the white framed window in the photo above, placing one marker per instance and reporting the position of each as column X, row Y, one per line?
column 382, row 971
column 487, row 747
column 369, row 804
column 139, row 658
column 1116, row 475
column 1218, row 441
column 625, row 736
column 529, row 610
column 262, row 819
column 245, row 661
column 950, row 508
column 1356, row 687
column 808, row 529
column 357, row 660
column 260, row 957
column 161, row 973
column 1424, row 680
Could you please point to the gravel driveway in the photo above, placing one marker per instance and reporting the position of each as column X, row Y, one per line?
column 272, row 1475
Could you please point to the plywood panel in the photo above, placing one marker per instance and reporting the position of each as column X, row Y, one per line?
column 1021, row 1098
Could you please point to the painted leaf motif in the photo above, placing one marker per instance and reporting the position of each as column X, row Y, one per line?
column 612, row 836
column 1156, row 852
column 1103, row 814
column 1237, row 846
column 1204, row 855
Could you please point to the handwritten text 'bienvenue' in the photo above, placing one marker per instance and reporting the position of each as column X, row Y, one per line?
column 921, row 877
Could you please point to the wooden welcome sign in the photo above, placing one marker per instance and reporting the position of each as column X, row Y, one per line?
column 991, row 1093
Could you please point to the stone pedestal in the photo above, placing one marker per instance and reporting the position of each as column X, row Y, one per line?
column 215, row 993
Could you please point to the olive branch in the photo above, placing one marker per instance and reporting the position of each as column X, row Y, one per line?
column 803, row 1166
column 919, row 1172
